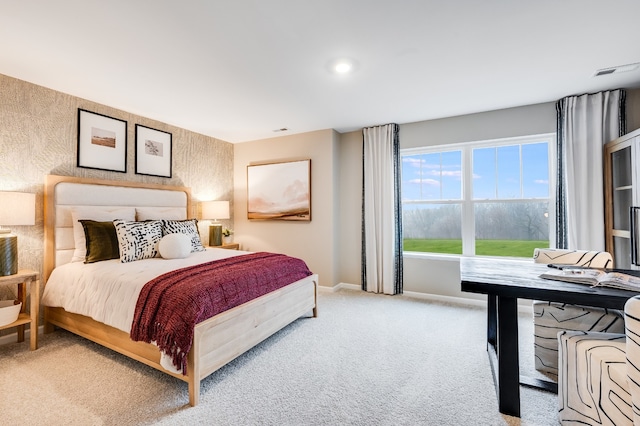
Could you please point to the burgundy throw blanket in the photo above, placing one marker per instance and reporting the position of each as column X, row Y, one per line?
column 169, row 306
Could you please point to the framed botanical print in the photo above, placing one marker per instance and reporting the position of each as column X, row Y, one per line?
column 153, row 152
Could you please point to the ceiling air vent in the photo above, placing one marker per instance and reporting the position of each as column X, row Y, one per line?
column 617, row 70
column 605, row 72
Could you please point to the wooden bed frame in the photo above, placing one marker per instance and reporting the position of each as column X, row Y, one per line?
column 216, row 341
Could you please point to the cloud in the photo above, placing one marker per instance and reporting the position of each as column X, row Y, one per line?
column 431, row 182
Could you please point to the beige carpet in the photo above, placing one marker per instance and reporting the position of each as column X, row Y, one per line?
column 366, row 360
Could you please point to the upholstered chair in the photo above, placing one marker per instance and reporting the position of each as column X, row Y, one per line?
column 632, row 330
column 549, row 318
column 592, row 379
column 599, row 374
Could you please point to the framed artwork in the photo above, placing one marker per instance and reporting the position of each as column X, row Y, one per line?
column 102, row 142
column 153, row 152
column 279, row 191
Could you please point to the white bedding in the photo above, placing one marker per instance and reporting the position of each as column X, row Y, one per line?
column 108, row 291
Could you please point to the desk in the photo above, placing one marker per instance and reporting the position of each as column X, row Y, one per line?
column 504, row 281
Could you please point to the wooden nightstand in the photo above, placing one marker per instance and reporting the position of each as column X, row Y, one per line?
column 231, row 246
column 22, row 278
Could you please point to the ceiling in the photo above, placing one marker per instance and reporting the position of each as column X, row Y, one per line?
column 238, row 70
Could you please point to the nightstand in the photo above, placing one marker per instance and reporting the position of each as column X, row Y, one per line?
column 231, row 246
column 23, row 278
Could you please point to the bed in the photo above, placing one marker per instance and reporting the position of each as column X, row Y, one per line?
column 217, row 340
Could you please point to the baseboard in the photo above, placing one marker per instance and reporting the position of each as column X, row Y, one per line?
column 13, row 338
column 524, row 307
column 445, row 299
column 338, row 287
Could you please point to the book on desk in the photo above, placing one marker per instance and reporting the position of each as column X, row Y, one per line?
column 622, row 279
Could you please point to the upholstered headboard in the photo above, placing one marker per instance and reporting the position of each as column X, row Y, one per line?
column 63, row 193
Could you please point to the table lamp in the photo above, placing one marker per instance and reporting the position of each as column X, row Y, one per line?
column 214, row 210
column 17, row 208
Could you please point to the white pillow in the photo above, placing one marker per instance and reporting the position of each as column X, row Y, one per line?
column 156, row 213
column 138, row 240
column 99, row 214
column 175, row 246
column 188, row 227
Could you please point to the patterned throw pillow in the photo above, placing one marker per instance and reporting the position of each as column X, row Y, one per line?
column 189, row 227
column 138, row 240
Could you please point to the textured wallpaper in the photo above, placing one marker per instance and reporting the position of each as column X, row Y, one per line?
column 38, row 136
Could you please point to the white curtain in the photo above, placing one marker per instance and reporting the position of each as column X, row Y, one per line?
column 381, row 215
column 585, row 124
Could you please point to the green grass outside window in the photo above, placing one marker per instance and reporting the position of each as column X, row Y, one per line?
column 511, row 248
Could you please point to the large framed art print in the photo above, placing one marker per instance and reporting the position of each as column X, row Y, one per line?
column 279, row 191
column 102, row 142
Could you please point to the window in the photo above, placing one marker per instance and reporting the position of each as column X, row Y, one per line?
column 488, row 198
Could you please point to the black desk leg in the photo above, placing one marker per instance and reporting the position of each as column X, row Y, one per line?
column 508, row 368
column 492, row 320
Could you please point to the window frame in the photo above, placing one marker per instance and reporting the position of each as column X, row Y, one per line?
column 467, row 203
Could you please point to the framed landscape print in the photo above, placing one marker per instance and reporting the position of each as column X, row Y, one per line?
column 153, row 152
column 279, row 191
column 102, row 142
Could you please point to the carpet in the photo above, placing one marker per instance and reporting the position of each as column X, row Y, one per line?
column 366, row 360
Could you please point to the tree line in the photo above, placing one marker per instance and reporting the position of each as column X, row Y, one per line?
column 494, row 221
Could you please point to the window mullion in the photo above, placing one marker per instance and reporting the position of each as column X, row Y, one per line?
column 468, row 218
column 440, row 174
column 521, row 172
column 496, row 159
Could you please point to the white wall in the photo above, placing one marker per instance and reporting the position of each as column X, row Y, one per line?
column 315, row 241
column 633, row 110
column 425, row 274
column 330, row 243
column 512, row 122
column 350, row 237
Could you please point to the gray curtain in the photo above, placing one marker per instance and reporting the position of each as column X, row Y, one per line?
column 584, row 124
column 381, row 257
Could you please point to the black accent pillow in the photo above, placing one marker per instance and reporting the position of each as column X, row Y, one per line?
column 102, row 241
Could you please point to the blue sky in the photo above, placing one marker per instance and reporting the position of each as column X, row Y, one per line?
column 437, row 176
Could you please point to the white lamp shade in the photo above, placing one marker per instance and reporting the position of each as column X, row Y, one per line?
column 17, row 208
column 215, row 210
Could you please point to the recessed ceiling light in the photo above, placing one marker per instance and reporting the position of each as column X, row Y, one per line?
column 616, row 70
column 282, row 129
column 342, row 66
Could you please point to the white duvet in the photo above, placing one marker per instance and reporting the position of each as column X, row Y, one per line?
column 108, row 291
